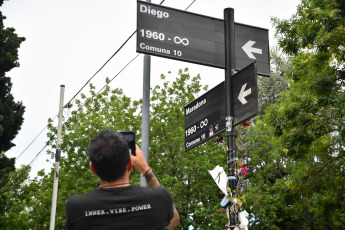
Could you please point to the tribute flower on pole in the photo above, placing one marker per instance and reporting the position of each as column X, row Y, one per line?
column 245, row 124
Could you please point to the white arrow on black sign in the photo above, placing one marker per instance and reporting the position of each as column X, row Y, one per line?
column 249, row 49
column 243, row 94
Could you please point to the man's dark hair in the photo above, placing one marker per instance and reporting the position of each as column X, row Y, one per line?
column 109, row 154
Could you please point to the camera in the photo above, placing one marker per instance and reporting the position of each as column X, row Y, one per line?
column 130, row 138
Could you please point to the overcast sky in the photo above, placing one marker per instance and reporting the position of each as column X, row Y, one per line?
column 67, row 41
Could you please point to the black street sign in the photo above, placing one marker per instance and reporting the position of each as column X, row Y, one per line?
column 180, row 35
column 251, row 44
column 205, row 116
column 185, row 36
column 245, row 93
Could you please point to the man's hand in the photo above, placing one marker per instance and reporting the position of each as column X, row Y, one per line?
column 139, row 160
column 140, row 163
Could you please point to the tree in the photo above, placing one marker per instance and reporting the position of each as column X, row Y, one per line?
column 297, row 148
column 185, row 174
column 270, row 87
column 11, row 112
column 195, row 194
column 6, row 167
column 17, row 200
column 109, row 109
column 256, row 145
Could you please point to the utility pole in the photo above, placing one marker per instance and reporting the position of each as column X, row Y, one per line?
column 145, row 128
column 57, row 160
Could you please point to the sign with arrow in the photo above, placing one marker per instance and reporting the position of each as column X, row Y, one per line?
column 251, row 44
column 205, row 116
column 180, row 35
column 185, row 36
column 245, row 94
column 249, row 49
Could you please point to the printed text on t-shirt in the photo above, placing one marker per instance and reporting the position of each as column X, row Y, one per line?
column 115, row 211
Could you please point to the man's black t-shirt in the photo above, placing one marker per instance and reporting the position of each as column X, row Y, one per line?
column 131, row 207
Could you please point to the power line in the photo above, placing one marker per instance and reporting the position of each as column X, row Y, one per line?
column 78, row 110
column 119, row 72
column 67, row 105
column 27, row 167
column 52, row 137
column 69, row 102
column 33, row 140
column 39, row 153
column 190, row 5
column 101, row 67
column 128, row 63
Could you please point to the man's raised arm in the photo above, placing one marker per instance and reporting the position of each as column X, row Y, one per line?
column 139, row 161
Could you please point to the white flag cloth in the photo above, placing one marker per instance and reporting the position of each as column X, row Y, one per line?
column 219, row 177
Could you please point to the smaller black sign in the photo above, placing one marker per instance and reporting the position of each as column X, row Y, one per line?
column 205, row 117
column 245, row 93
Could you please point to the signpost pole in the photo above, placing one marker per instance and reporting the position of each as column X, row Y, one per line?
column 230, row 129
column 145, row 128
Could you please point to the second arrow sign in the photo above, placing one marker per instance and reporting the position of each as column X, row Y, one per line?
column 245, row 94
column 205, row 116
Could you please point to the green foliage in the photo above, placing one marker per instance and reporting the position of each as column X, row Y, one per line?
column 270, row 87
column 109, row 109
column 17, row 197
column 6, row 167
column 185, row 175
column 11, row 112
column 296, row 150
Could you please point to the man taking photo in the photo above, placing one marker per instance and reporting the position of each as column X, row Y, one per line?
column 117, row 204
